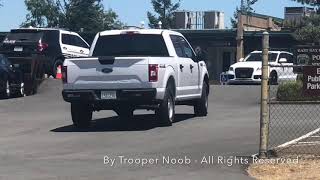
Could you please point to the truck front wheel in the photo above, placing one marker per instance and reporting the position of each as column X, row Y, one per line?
column 201, row 105
column 81, row 115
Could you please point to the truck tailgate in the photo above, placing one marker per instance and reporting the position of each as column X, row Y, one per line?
column 108, row 73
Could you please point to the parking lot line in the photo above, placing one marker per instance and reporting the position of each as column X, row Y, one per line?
column 295, row 141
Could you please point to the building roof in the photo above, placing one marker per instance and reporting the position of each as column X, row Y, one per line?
column 276, row 19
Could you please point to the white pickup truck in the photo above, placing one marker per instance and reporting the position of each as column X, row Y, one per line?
column 136, row 69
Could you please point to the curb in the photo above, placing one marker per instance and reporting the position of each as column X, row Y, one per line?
column 294, row 102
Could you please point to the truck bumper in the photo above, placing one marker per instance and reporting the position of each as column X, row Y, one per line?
column 130, row 97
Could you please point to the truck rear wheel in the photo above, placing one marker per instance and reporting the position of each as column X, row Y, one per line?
column 81, row 115
column 201, row 105
column 166, row 112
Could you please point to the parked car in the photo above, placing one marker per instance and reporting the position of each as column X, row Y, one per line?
column 249, row 69
column 136, row 69
column 50, row 45
column 11, row 81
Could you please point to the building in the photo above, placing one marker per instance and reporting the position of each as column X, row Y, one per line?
column 199, row 20
column 295, row 14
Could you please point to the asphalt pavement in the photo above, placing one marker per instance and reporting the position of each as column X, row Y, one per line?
column 38, row 141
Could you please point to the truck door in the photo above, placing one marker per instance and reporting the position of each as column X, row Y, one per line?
column 188, row 74
column 192, row 67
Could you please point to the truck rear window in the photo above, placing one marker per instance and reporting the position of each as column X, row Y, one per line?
column 24, row 36
column 131, row 45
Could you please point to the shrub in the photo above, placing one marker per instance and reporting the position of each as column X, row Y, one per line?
column 290, row 91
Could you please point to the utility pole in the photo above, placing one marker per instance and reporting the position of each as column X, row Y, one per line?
column 264, row 112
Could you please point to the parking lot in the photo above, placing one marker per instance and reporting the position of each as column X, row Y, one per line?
column 38, row 140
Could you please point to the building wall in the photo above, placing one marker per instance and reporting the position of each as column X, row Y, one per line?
column 215, row 60
column 214, row 20
column 199, row 20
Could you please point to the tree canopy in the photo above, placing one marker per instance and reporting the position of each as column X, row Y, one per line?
column 245, row 8
column 308, row 29
column 164, row 10
column 75, row 15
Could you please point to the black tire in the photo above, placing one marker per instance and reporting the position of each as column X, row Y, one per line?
column 273, row 80
column 31, row 89
column 201, row 105
column 81, row 115
column 57, row 63
column 125, row 113
column 166, row 112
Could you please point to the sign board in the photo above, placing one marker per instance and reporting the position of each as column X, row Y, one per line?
column 224, row 78
column 307, row 55
column 311, row 81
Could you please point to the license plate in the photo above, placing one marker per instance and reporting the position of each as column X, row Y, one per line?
column 108, row 95
column 18, row 49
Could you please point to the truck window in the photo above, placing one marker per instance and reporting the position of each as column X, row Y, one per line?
column 181, row 46
column 177, row 45
column 33, row 36
column 79, row 42
column 67, row 39
column 131, row 45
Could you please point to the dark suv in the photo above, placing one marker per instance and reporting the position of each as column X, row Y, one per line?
column 50, row 45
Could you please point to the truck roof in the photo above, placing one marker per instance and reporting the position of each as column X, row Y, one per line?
column 37, row 30
column 139, row 31
column 272, row 52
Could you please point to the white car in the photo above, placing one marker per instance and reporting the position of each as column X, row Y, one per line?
column 249, row 69
column 136, row 69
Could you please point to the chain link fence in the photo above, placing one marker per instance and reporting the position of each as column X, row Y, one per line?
column 294, row 127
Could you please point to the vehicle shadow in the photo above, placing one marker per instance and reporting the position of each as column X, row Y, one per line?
column 138, row 123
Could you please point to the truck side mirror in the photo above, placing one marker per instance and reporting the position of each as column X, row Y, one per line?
column 241, row 60
column 196, row 58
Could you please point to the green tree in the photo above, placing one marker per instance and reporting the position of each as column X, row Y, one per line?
column 75, row 15
column 165, row 13
column 308, row 29
column 42, row 13
column 245, row 8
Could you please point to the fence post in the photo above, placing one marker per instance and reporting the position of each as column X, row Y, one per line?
column 264, row 112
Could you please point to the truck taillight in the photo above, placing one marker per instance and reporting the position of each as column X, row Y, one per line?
column 64, row 72
column 153, row 72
